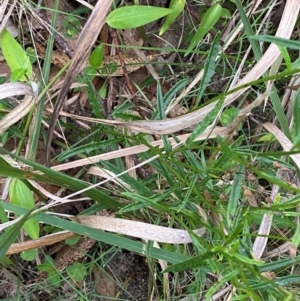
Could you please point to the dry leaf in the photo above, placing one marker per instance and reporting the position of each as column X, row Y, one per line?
column 105, row 285
column 208, row 134
column 15, row 89
column 137, row 229
column 250, row 198
column 269, row 275
column 284, row 141
column 39, row 243
column 17, row 113
column 84, row 45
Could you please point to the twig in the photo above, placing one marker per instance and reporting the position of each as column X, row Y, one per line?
column 110, row 96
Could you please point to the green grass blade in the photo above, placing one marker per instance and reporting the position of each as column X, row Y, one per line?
column 87, row 148
column 274, row 180
column 296, row 115
column 71, row 183
column 9, row 171
column 275, row 99
column 235, row 195
column 280, row 264
column 168, row 97
column 177, row 6
column 37, row 121
column 248, row 30
column 191, row 263
column 278, row 41
column 217, row 286
column 161, row 108
column 10, row 234
column 202, row 126
column 210, row 18
column 209, row 67
column 3, row 216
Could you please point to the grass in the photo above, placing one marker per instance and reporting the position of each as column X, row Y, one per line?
column 229, row 166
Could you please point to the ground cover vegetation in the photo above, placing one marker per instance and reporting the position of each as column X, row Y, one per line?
column 149, row 150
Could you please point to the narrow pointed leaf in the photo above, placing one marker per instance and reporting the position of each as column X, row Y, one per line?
column 10, row 234
column 177, row 6
column 209, row 67
column 202, row 126
column 210, row 18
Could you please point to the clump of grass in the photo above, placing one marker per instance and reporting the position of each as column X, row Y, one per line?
column 220, row 168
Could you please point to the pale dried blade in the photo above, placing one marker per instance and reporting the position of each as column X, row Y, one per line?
column 138, row 229
column 84, row 45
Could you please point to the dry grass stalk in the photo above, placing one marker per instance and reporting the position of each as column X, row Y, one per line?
column 84, row 45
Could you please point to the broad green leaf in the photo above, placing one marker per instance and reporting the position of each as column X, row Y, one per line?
column 10, row 234
column 29, row 255
column 103, row 91
column 133, row 16
column 108, row 69
column 77, row 271
column 17, row 75
column 48, row 267
column 54, row 278
column 3, row 216
column 14, row 55
column 177, row 6
column 71, row 25
column 226, row 13
column 45, row 267
column 72, row 241
column 50, row 262
column 228, row 116
column 90, row 72
column 267, row 138
column 96, row 57
column 21, row 196
column 210, row 18
column 31, row 54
